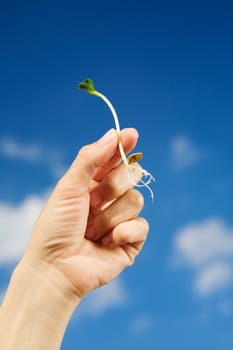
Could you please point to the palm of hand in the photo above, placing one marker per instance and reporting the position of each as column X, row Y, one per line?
column 86, row 263
column 70, row 234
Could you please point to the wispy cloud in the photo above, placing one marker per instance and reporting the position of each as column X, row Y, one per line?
column 207, row 248
column 202, row 242
column 141, row 324
column 16, row 224
column 212, row 278
column 34, row 154
column 184, row 153
column 15, row 150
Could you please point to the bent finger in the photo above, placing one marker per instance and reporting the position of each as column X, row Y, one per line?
column 130, row 232
column 115, row 184
column 129, row 137
column 123, row 209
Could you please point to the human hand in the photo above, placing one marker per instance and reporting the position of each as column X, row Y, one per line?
column 89, row 230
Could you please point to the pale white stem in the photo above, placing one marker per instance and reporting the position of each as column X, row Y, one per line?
column 131, row 168
column 118, row 129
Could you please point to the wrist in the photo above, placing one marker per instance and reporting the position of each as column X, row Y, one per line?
column 37, row 308
column 48, row 278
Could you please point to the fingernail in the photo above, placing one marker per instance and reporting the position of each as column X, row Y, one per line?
column 107, row 138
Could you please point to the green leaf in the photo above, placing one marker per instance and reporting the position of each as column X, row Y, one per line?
column 90, row 83
column 87, row 85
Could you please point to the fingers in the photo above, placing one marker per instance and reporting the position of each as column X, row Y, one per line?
column 94, row 161
column 129, row 139
column 115, row 184
column 123, row 209
column 130, row 232
column 91, row 157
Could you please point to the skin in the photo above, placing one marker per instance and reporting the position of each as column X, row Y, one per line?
column 86, row 234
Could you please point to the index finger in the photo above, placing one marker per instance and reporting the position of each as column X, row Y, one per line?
column 129, row 137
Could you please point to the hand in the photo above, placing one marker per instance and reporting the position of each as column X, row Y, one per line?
column 89, row 230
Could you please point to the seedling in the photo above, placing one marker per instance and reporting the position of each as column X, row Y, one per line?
column 130, row 161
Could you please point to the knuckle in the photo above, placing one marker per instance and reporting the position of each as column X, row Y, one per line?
column 131, row 256
column 112, row 188
column 131, row 261
column 122, row 237
column 84, row 151
column 64, row 186
column 85, row 157
column 104, row 222
column 145, row 225
column 89, row 149
column 115, row 184
column 136, row 198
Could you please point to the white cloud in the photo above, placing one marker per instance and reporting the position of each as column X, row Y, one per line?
column 33, row 153
column 207, row 248
column 13, row 149
column 16, row 223
column 211, row 278
column 202, row 242
column 184, row 153
column 141, row 324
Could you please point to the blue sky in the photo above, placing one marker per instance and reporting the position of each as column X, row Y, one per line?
column 167, row 67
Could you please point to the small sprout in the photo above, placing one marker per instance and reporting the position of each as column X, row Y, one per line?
column 88, row 86
column 134, row 171
column 134, row 157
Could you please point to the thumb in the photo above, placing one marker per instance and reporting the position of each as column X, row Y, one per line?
column 90, row 157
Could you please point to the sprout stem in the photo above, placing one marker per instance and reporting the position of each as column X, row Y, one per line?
column 116, row 120
column 88, row 86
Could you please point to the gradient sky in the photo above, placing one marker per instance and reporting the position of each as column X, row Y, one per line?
column 167, row 66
